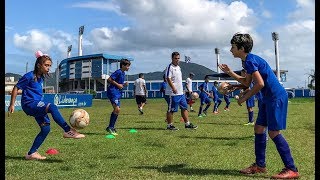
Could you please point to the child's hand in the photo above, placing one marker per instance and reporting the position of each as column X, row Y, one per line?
column 225, row 68
column 125, row 84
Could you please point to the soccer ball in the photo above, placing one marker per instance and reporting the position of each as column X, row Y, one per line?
column 79, row 119
column 223, row 88
column 236, row 97
column 195, row 95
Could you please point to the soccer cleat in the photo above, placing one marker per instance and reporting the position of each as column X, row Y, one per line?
column 140, row 110
column 204, row 113
column 253, row 169
column 286, row 174
column 226, row 109
column 172, row 128
column 191, row 126
column 200, row 116
column 112, row 131
column 35, row 156
column 249, row 123
column 73, row 134
column 192, row 110
column 215, row 112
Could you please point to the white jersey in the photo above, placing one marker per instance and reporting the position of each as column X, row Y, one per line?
column 174, row 73
column 189, row 84
column 139, row 86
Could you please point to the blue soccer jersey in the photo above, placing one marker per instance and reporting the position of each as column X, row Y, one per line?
column 272, row 87
column 163, row 87
column 215, row 93
column 31, row 89
column 119, row 77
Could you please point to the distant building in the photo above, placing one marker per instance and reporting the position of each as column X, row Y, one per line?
column 9, row 84
column 76, row 74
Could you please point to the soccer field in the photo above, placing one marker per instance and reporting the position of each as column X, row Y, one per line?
column 218, row 149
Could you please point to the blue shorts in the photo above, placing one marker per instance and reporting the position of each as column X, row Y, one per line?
column 167, row 98
column 250, row 102
column 114, row 98
column 273, row 113
column 204, row 98
column 175, row 101
column 217, row 100
column 35, row 109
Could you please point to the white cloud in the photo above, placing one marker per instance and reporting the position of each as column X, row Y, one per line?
column 305, row 10
column 159, row 24
column 33, row 40
column 266, row 14
column 106, row 6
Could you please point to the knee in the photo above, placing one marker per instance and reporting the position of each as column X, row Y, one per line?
column 273, row 134
column 52, row 107
column 45, row 128
column 116, row 110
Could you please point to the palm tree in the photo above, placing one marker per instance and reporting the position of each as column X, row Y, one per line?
column 312, row 81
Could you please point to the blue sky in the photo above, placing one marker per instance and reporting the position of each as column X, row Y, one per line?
column 149, row 31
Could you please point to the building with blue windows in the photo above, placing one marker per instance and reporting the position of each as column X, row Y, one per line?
column 80, row 73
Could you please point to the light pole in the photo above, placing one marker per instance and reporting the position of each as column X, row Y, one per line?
column 81, row 29
column 57, row 78
column 217, row 52
column 69, row 51
column 275, row 38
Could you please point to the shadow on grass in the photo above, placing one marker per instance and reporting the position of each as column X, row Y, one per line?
column 48, row 160
column 219, row 138
column 181, row 169
column 223, row 124
column 141, row 128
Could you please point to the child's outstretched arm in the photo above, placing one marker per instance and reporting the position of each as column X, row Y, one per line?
column 14, row 93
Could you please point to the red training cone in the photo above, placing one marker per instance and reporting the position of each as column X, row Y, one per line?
column 52, row 151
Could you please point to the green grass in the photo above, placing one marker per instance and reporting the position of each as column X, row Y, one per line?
column 218, row 149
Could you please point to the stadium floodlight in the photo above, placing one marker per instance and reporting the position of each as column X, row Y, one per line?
column 81, row 29
column 275, row 38
column 217, row 52
column 69, row 51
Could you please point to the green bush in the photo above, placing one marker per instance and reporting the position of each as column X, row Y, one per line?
column 90, row 91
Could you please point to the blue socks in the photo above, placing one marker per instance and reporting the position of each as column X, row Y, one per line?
column 250, row 116
column 260, row 144
column 53, row 109
column 284, row 151
column 113, row 119
column 45, row 129
column 207, row 107
column 200, row 110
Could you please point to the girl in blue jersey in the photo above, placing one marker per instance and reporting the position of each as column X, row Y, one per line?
column 272, row 110
column 114, row 92
column 32, row 104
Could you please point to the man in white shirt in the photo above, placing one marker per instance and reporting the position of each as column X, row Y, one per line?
column 189, row 91
column 175, row 91
column 140, row 92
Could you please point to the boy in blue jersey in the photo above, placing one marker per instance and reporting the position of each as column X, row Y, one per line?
column 33, row 105
column 215, row 94
column 226, row 98
column 204, row 97
column 272, row 110
column 114, row 92
column 163, row 86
